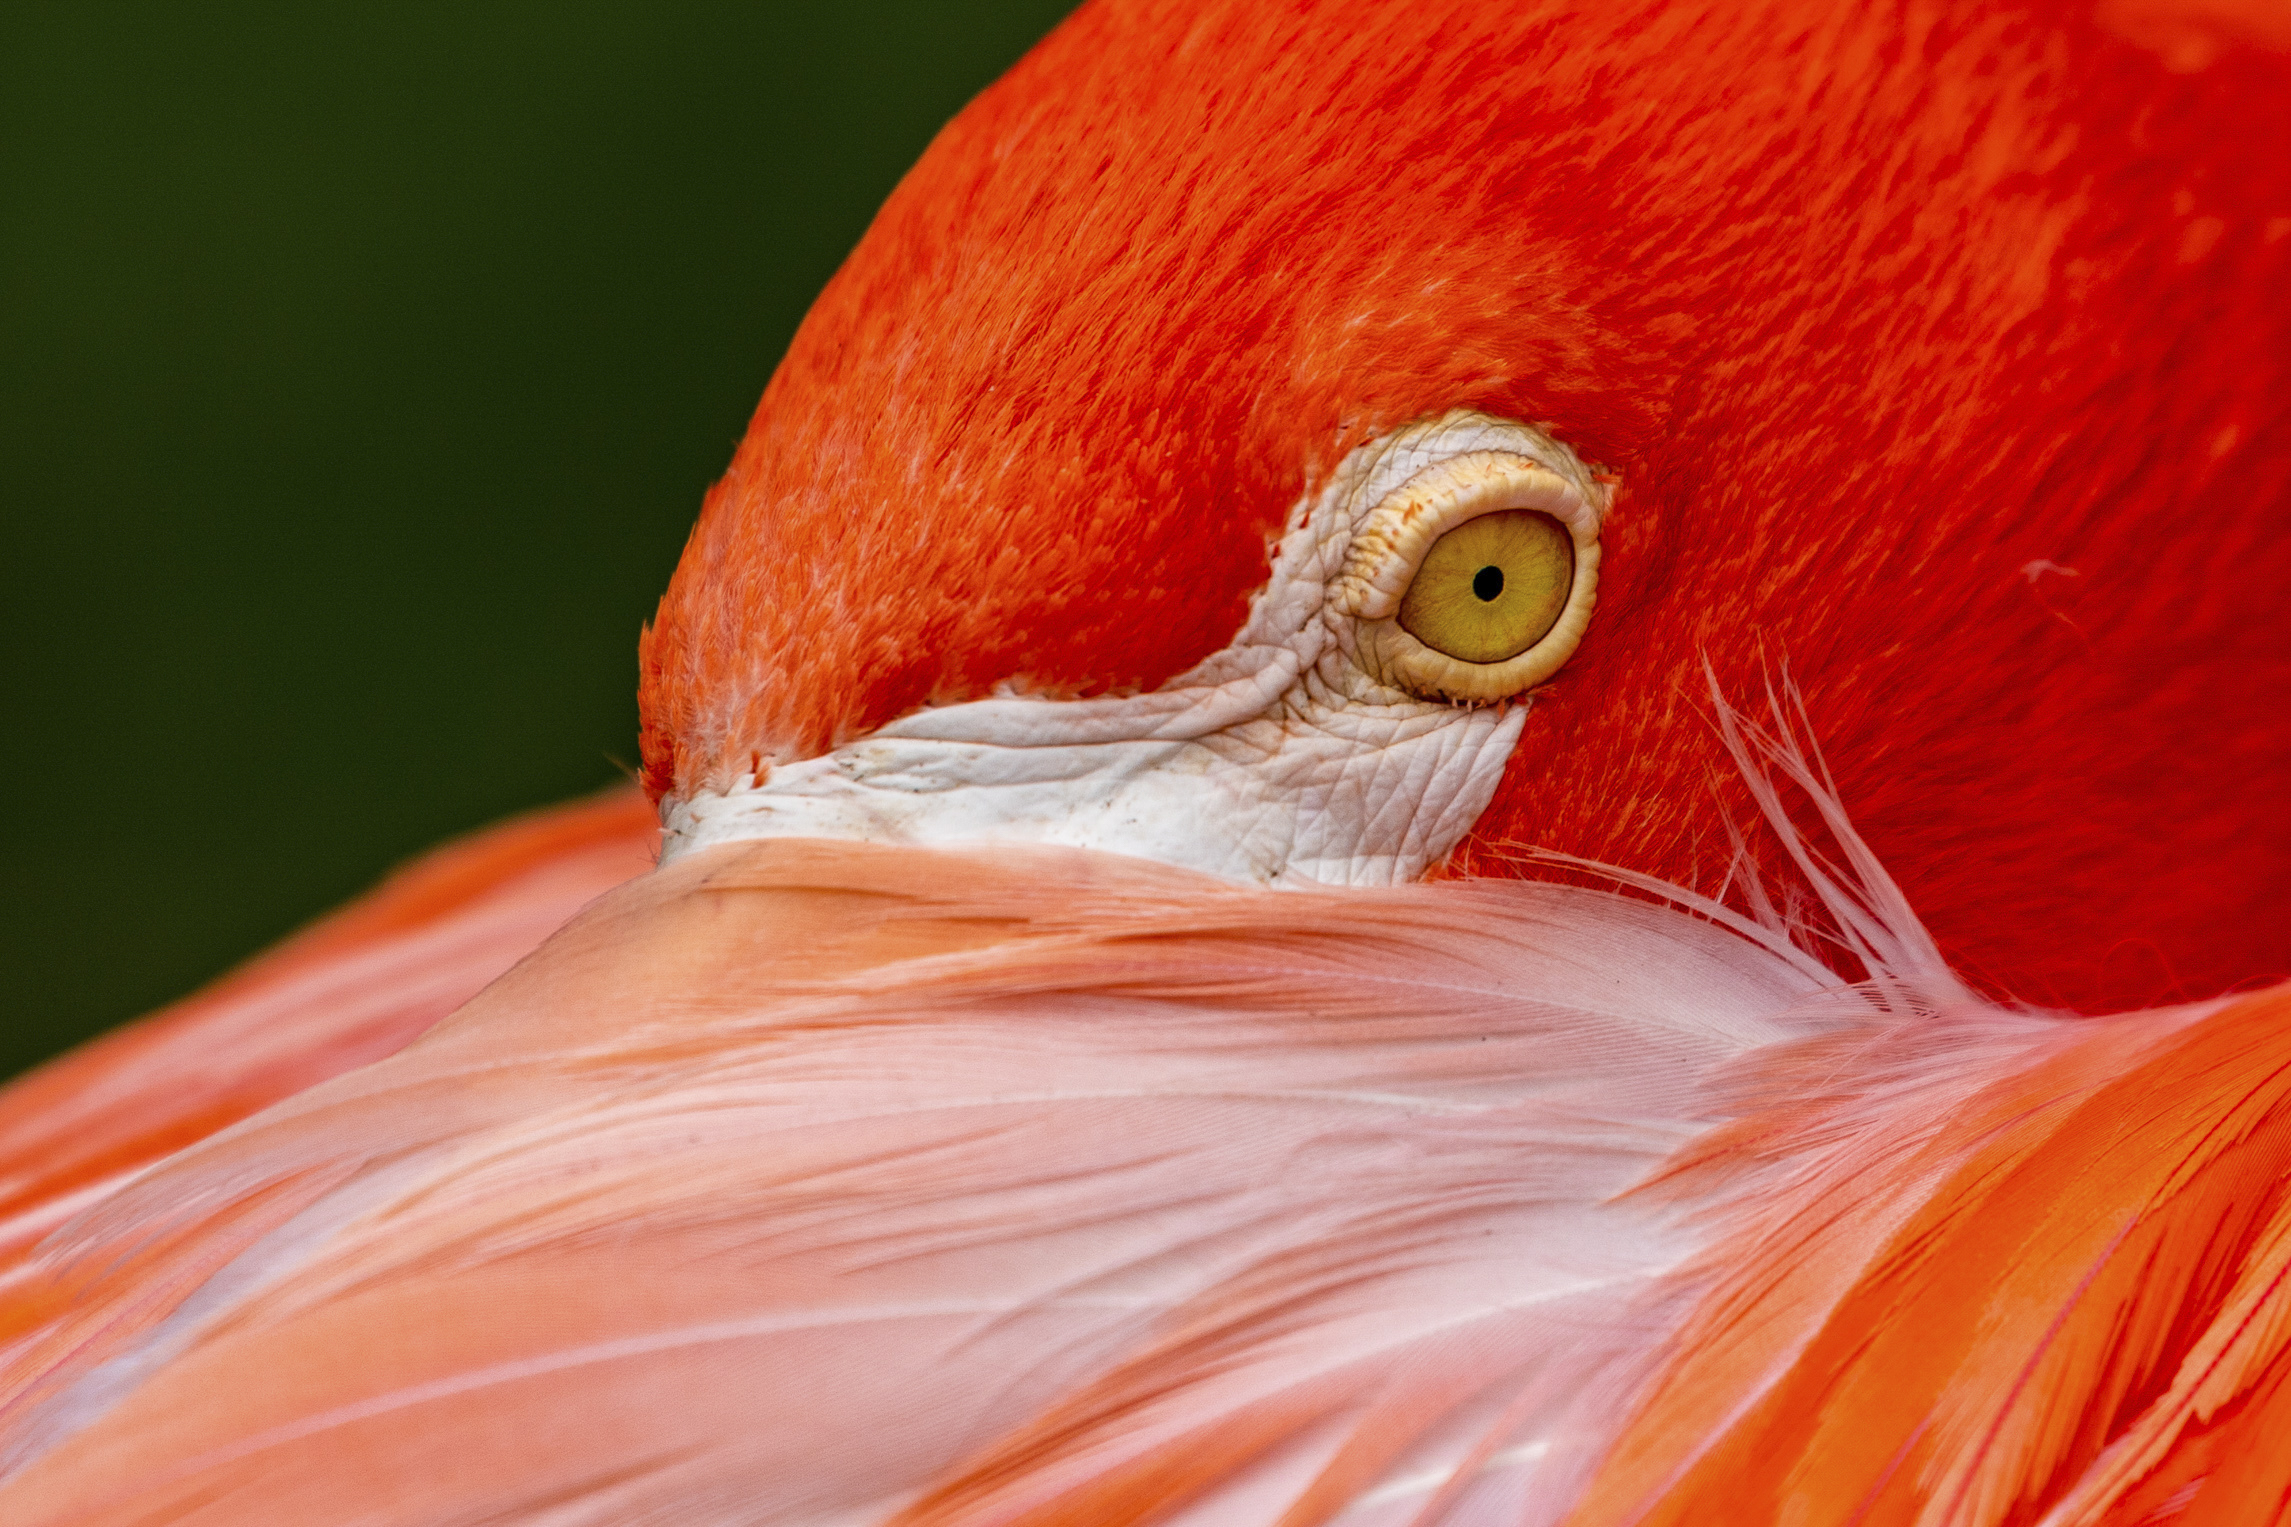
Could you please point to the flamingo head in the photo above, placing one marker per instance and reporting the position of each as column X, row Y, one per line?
column 1138, row 481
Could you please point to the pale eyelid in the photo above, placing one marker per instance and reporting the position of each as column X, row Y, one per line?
column 1394, row 537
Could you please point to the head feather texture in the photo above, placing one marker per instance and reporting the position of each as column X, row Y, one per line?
column 1938, row 349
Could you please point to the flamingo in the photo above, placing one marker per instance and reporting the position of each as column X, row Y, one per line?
column 1432, row 763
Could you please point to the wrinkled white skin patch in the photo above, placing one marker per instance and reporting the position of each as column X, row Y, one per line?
column 1277, row 761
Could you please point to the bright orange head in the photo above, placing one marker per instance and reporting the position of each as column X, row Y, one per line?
column 1939, row 352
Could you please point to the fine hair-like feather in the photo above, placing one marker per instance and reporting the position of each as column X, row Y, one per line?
column 834, row 1183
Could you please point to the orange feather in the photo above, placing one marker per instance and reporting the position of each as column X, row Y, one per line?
column 352, row 988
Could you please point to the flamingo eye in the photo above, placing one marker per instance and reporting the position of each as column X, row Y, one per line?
column 1473, row 580
column 1492, row 587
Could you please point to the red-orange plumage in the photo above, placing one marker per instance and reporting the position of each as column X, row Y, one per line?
column 2082, row 1262
column 1939, row 348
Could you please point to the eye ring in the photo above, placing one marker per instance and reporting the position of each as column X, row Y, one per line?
column 1393, row 540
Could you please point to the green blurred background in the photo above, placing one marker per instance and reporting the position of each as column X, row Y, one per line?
column 361, row 369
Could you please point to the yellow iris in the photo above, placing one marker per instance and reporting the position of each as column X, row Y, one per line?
column 1492, row 587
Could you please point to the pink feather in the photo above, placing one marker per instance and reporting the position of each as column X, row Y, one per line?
column 831, row 1183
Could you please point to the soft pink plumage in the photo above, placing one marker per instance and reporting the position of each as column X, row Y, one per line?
column 809, row 1182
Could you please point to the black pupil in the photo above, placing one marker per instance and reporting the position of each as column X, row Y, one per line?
column 1488, row 582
